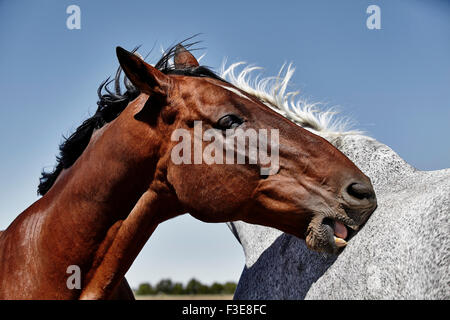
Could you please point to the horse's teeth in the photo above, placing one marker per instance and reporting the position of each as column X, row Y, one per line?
column 340, row 242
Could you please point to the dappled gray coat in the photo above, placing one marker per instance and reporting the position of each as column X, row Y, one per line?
column 401, row 253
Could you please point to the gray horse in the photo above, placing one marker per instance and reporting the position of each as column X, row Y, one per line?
column 401, row 253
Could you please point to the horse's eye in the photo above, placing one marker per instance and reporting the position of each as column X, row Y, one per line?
column 229, row 121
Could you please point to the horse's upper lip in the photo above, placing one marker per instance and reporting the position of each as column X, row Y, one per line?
column 349, row 225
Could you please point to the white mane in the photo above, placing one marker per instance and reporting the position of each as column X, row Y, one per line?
column 272, row 91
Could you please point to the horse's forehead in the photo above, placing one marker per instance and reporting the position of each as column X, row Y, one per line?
column 198, row 87
column 213, row 92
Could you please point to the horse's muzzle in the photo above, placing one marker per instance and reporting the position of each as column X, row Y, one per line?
column 359, row 201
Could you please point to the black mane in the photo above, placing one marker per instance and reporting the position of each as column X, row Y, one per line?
column 110, row 105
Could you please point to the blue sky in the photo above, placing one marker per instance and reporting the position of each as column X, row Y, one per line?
column 394, row 83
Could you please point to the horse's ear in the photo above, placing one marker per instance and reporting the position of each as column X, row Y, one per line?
column 146, row 78
column 183, row 59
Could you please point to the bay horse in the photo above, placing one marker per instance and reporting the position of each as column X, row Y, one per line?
column 115, row 181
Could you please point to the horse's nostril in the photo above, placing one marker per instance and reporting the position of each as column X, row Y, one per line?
column 360, row 191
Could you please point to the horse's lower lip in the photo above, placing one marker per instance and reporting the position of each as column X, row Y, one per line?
column 339, row 233
column 334, row 242
column 328, row 240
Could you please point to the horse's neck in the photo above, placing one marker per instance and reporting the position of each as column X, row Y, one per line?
column 100, row 189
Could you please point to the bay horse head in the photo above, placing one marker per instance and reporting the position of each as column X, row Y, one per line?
column 310, row 190
column 180, row 139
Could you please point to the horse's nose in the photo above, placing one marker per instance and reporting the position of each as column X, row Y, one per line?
column 360, row 194
column 361, row 191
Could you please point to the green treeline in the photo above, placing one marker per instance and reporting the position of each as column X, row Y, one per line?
column 166, row 286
